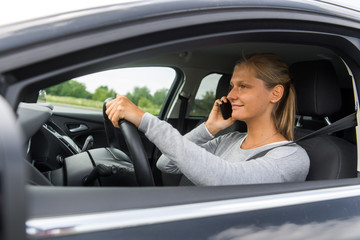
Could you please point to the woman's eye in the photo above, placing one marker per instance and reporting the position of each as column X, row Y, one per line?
column 241, row 86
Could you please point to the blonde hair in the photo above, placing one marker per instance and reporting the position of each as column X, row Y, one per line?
column 274, row 71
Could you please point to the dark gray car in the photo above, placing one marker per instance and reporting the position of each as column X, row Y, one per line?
column 46, row 158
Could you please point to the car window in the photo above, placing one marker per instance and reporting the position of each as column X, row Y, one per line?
column 205, row 96
column 147, row 87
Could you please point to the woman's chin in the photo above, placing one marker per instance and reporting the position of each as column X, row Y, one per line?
column 239, row 117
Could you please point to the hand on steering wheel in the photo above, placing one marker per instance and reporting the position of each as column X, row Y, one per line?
column 122, row 108
column 133, row 141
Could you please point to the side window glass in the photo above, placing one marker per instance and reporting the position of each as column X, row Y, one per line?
column 147, row 87
column 205, row 96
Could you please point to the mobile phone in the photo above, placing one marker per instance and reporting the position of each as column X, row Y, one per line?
column 225, row 109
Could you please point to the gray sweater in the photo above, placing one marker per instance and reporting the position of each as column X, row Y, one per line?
column 206, row 160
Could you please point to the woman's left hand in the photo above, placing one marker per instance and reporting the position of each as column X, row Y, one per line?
column 216, row 122
column 122, row 108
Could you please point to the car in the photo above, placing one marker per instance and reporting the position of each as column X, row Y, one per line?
column 66, row 173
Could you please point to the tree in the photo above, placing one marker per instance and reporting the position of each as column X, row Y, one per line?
column 203, row 106
column 78, row 90
column 70, row 88
column 102, row 93
column 159, row 96
column 145, row 103
column 209, row 96
column 138, row 93
column 54, row 90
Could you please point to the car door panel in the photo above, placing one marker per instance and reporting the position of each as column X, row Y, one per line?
column 86, row 124
column 94, row 124
column 237, row 211
column 12, row 172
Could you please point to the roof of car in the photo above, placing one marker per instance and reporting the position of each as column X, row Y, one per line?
column 10, row 13
column 28, row 33
column 92, row 16
column 40, row 9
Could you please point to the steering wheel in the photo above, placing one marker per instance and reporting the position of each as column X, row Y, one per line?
column 135, row 146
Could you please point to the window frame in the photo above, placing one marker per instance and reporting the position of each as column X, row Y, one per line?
column 175, row 82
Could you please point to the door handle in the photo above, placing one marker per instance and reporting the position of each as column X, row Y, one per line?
column 81, row 127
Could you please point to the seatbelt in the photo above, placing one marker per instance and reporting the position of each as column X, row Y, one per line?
column 341, row 124
column 184, row 98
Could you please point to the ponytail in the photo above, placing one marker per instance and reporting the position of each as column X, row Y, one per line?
column 284, row 114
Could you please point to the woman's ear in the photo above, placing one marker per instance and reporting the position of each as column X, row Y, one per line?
column 277, row 93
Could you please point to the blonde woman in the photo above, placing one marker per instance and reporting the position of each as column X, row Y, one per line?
column 262, row 96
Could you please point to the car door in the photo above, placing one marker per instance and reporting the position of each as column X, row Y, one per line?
column 289, row 210
column 12, row 193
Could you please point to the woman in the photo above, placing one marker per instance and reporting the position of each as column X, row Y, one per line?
column 264, row 98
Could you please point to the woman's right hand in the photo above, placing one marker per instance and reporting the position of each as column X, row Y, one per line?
column 216, row 122
column 122, row 108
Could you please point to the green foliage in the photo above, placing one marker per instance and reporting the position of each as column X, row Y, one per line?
column 73, row 101
column 209, row 96
column 145, row 103
column 203, row 106
column 75, row 89
column 102, row 93
column 142, row 97
column 138, row 93
column 70, row 89
column 159, row 96
column 74, row 93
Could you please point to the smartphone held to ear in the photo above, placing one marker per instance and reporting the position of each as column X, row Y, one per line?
column 225, row 109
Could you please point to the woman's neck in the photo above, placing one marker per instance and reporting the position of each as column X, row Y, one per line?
column 260, row 134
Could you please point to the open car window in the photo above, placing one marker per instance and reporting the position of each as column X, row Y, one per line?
column 147, row 87
column 205, row 96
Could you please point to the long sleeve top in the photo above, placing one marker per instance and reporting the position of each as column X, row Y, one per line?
column 206, row 160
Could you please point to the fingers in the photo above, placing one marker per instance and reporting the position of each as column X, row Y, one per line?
column 110, row 109
column 123, row 108
column 222, row 100
column 115, row 110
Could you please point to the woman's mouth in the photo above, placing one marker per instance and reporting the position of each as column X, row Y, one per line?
column 236, row 106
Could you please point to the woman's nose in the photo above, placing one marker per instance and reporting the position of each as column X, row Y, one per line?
column 231, row 94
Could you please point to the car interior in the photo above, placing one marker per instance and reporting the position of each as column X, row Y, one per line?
column 324, row 89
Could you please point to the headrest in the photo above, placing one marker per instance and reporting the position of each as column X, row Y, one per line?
column 317, row 90
column 223, row 86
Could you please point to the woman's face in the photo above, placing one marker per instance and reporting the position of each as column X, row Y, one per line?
column 249, row 97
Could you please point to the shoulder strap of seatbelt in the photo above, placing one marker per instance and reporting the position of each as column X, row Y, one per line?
column 184, row 98
column 341, row 124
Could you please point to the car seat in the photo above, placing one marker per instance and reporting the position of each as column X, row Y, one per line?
column 319, row 96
